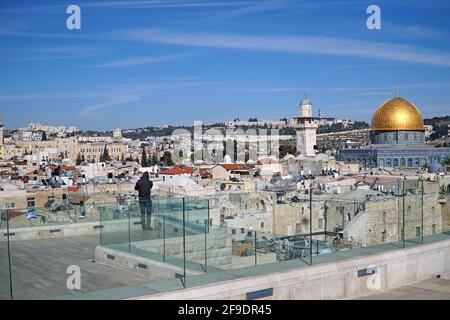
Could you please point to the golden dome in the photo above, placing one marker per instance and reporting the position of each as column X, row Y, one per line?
column 397, row 114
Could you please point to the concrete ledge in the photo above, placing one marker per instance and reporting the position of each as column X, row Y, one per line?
column 342, row 279
column 51, row 231
column 66, row 230
column 151, row 268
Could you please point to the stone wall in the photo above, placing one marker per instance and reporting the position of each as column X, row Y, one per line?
column 383, row 219
column 218, row 248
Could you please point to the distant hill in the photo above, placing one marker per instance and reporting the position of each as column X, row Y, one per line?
column 440, row 126
column 338, row 127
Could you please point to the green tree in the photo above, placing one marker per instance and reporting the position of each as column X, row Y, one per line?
column 167, row 158
column 287, row 149
column 154, row 159
column 79, row 161
column 447, row 162
column 105, row 155
column 144, row 160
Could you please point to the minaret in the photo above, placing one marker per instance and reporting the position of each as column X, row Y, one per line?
column 305, row 108
column 306, row 129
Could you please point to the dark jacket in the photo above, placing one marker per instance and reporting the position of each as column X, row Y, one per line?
column 144, row 186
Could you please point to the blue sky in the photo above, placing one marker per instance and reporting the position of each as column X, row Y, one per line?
column 141, row 63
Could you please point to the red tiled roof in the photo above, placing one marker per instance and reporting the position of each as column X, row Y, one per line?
column 178, row 169
column 235, row 166
column 65, row 168
column 73, row 188
column 204, row 173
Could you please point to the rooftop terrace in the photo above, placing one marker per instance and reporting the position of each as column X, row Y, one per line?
column 120, row 260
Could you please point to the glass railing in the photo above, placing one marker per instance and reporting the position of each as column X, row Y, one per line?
column 174, row 239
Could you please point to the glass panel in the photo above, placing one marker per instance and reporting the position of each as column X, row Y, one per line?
column 114, row 221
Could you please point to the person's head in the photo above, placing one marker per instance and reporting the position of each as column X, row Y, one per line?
column 145, row 176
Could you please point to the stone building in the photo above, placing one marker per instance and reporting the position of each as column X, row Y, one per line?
column 92, row 152
column 306, row 128
column 398, row 139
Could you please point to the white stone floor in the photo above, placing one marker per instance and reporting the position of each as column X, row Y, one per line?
column 431, row 289
column 39, row 268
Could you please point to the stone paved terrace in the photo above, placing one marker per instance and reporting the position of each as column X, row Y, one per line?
column 431, row 289
column 39, row 268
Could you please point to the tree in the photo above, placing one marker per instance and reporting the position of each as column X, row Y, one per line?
column 167, row 158
column 154, row 159
column 144, row 160
column 447, row 162
column 79, row 161
column 44, row 136
column 287, row 149
column 105, row 156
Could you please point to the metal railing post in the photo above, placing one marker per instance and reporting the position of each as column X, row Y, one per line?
column 398, row 210
column 206, row 243
column 164, row 238
column 129, row 232
column 9, row 257
column 256, row 252
column 184, row 243
column 310, row 226
column 208, row 215
column 422, row 230
column 100, row 223
column 404, row 231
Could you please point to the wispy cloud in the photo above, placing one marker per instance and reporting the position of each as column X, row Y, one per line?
column 300, row 44
column 67, row 57
column 363, row 66
column 133, row 4
column 137, row 61
column 258, row 7
column 120, row 100
column 414, row 31
column 165, row 4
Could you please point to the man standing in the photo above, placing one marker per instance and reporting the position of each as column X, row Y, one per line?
column 144, row 187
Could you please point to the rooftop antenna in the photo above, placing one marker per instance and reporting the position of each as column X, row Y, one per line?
column 396, row 92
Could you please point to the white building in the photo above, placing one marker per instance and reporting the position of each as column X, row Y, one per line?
column 306, row 129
